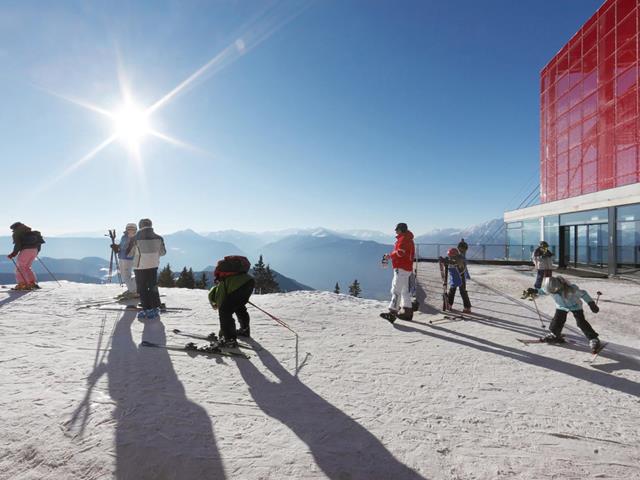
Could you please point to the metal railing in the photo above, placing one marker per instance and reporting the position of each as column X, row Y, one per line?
column 482, row 252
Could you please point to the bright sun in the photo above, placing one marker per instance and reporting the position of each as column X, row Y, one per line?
column 131, row 124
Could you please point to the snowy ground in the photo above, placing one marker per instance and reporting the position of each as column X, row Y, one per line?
column 353, row 398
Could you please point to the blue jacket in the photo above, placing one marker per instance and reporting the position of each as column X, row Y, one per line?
column 124, row 246
column 572, row 302
column 455, row 274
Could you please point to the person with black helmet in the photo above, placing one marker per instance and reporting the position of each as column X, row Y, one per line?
column 402, row 258
column 147, row 247
column 542, row 259
column 568, row 298
column 458, row 276
column 26, row 246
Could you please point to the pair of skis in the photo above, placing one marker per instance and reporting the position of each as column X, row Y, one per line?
column 211, row 349
column 594, row 353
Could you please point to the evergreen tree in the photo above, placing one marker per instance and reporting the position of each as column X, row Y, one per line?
column 186, row 279
column 165, row 279
column 354, row 289
column 203, row 282
column 337, row 288
column 265, row 280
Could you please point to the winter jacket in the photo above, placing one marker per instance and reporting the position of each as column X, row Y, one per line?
column 457, row 270
column 124, row 247
column 225, row 286
column 147, row 247
column 24, row 237
column 572, row 301
column 403, row 252
column 542, row 260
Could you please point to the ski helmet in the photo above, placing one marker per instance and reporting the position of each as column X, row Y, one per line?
column 552, row 284
column 453, row 252
column 544, row 244
column 131, row 226
column 402, row 227
column 145, row 222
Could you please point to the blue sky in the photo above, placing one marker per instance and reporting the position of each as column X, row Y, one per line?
column 343, row 114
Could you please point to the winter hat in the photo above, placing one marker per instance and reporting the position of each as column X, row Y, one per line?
column 544, row 244
column 15, row 225
column 402, row 227
column 131, row 226
column 144, row 223
column 453, row 252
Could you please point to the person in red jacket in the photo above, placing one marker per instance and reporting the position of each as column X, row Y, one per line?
column 402, row 258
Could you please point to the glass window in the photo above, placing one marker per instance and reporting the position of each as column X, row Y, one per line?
column 628, row 236
column 587, row 217
column 629, row 213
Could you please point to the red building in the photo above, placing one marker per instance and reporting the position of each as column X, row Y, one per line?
column 589, row 146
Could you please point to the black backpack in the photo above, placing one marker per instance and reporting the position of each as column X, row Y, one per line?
column 33, row 238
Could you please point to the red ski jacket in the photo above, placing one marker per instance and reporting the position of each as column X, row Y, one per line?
column 403, row 252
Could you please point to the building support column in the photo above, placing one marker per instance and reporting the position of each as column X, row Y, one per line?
column 613, row 254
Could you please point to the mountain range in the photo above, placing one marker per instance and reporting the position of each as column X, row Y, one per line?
column 317, row 257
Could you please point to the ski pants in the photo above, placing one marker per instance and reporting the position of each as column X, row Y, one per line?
column 24, row 273
column 400, row 293
column 560, row 317
column 235, row 302
column 541, row 274
column 463, row 294
column 126, row 270
column 147, row 283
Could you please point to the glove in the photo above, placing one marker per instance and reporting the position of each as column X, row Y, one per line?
column 594, row 308
column 532, row 291
column 10, row 256
column 115, row 248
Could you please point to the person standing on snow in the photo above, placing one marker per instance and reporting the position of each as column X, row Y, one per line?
column 26, row 246
column 458, row 276
column 542, row 259
column 126, row 261
column 402, row 258
column 147, row 247
column 568, row 297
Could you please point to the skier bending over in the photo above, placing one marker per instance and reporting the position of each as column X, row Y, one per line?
column 26, row 246
column 402, row 258
column 458, row 276
column 568, row 298
column 231, row 293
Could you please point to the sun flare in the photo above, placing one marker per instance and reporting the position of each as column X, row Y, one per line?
column 131, row 124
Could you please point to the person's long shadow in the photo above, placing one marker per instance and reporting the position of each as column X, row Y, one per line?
column 160, row 434
column 341, row 447
column 527, row 356
column 12, row 296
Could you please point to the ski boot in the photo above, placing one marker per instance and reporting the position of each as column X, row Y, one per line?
column 466, row 310
column 406, row 314
column 224, row 343
column 142, row 314
column 212, row 337
column 595, row 345
column 552, row 338
column 244, row 332
column 390, row 316
column 191, row 346
column 152, row 313
column 415, row 305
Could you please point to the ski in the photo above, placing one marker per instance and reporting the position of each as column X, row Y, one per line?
column 529, row 341
column 134, row 308
column 212, row 337
column 191, row 347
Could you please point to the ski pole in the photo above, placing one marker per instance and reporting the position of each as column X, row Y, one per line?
column 24, row 279
column 112, row 234
column 49, row 271
column 539, row 316
column 598, row 293
column 274, row 318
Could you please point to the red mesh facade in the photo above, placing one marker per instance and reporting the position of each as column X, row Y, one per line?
column 589, row 128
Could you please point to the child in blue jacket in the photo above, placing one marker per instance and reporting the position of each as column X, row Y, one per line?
column 568, row 298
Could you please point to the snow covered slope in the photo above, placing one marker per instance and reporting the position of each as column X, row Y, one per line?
column 353, row 397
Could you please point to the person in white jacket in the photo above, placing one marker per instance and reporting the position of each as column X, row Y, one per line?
column 147, row 248
column 126, row 261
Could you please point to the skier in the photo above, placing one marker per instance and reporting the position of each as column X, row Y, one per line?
column 568, row 298
column 458, row 276
column 26, row 246
column 402, row 258
column 462, row 248
column 230, row 294
column 126, row 261
column 542, row 259
column 147, row 247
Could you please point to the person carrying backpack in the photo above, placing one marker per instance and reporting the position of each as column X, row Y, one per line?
column 458, row 276
column 230, row 294
column 26, row 246
column 126, row 261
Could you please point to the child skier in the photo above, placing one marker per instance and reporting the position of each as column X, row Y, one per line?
column 458, row 276
column 231, row 293
column 26, row 246
column 568, row 298
column 542, row 259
